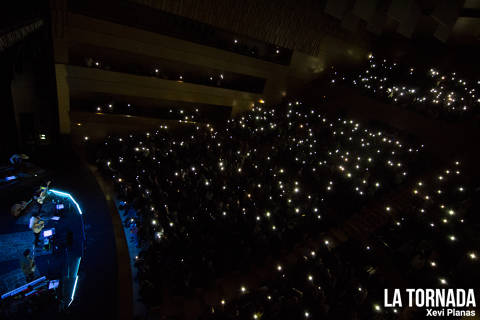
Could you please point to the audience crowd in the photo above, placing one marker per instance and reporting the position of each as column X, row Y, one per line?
column 430, row 243
column 430, row 92
column 433, row 236
column 215, row 201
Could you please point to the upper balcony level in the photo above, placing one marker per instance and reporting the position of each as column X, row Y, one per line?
column 84, row 82
column 140, row 17
column 144, row 65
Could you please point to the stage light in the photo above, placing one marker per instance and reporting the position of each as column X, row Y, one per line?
column 65, row 194
column 73, row 291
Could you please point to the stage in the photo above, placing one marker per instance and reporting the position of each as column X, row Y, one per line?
column 58, row 257
column 97, row 290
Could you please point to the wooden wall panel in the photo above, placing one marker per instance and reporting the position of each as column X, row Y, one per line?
column 295, row 24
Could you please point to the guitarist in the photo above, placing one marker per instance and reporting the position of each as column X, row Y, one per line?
column 40, row 198
column 37, row 225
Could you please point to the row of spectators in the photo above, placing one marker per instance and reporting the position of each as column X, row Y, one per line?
column 433, row 235
column 430, row 92
column 430, row 242
column 215, row 201
column 187, row 115
column 173, row 72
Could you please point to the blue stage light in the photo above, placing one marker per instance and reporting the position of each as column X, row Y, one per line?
column 73, row 291
column 22, row 288
column 68, row 195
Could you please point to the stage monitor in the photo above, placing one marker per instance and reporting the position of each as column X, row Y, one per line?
column 48, row 233
column 53, row 284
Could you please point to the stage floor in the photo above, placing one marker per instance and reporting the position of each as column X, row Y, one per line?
column 59, row 261
column 97, row 289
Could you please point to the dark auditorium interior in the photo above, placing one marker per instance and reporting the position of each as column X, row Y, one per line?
column 234, row 160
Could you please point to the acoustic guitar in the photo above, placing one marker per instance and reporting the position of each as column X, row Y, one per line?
column 18, row 208
column 41, row 197
column 38, row 226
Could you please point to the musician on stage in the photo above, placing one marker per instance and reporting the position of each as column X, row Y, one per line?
column 17, row 161
column 40, row 196
column 37, row 225
column 38, row 199
column 27, row 263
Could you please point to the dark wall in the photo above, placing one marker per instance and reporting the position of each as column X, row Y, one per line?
column 33, row 90
column 27, row 82
column 8, row 129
